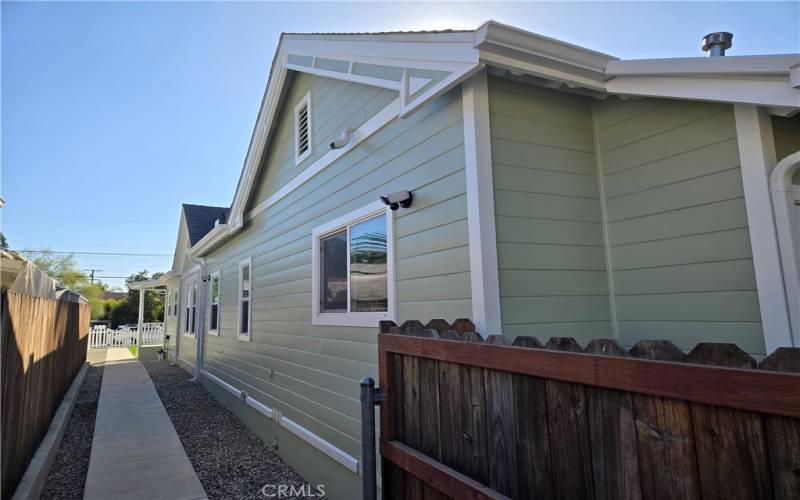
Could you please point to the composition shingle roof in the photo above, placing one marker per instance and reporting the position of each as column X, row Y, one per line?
column 200, row 219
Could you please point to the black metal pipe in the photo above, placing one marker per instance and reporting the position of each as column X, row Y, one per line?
column 368, row 401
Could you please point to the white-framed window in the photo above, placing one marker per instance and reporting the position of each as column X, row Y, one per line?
column 302, row 129
column 353, row 269
column 175, row 294
column 190, row 309
column 214, row 293
column 245, row 292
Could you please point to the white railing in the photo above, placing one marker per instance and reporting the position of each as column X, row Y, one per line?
column 103, row 336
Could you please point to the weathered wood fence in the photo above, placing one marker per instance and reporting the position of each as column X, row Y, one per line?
column 472, row 418
column 43, row 348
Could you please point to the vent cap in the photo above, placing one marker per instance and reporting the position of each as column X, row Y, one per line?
column 717, row 43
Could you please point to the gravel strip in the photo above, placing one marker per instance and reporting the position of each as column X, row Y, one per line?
column 67, row 476
column 230, row 460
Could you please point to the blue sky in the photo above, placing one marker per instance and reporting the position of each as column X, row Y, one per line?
column 113, row 114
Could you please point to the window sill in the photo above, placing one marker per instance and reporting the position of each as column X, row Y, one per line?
column 244, row 337
column 214, row 333
column 366, row 320
column 186, row 334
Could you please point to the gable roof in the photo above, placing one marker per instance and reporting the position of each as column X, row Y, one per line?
column 422, row 65
column 200, row 219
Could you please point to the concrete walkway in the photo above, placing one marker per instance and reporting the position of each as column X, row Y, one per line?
column 136, row 453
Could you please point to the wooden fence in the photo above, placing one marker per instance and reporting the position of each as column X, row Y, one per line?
column 471, row 418
column 43, row 348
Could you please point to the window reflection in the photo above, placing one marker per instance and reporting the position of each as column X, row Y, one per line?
column 368, row 278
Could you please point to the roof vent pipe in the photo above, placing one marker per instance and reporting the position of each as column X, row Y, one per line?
column 717, row 43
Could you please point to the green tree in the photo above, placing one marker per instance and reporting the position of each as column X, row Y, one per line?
column 64, row 269
column 125, row 311
column 3, row 242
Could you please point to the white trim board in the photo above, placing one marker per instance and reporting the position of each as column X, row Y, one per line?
column 245, row 337
column 338, row 455
column 216, row 274
column 757, row 157
column 303, row 101
column 369, row 320
column 374, row 124
column 483, row 264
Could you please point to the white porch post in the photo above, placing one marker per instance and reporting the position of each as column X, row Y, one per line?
column 141, row 322
column 757, row 158
column 480, row 206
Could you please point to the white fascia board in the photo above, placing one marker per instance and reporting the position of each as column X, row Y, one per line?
column 201, row 247
column 255, row 151
column 450, row 36
column 729, row 65
column 547, row 72
column 402, row 52
column 492, row 35
column 771, row 93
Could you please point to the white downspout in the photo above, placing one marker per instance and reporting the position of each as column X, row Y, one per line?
column 786, row 224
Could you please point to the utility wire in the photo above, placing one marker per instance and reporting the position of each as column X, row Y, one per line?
column 97, row 253
column 96, row 277
column 99, row 219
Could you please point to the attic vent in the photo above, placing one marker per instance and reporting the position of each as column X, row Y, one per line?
column 302, row 124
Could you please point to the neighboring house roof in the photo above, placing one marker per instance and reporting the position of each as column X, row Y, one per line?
column 114, row 295
column 20, row 275
column 200, row 219
column 421, row 66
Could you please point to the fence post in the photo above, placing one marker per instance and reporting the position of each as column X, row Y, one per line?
column 369, row 398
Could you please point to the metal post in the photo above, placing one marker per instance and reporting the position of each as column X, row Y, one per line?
column 139, row 326
column 369, row 398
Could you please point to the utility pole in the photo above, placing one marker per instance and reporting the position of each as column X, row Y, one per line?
column 91, row 274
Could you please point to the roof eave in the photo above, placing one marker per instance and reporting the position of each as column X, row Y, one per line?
column 743, row 66
column 210, row 240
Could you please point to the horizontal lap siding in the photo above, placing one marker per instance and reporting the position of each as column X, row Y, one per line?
column 335, row 106
column 551, row 257
column 316, row 369
column 679, row 244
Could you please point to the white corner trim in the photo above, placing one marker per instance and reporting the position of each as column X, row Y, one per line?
column 757, row 157
column 788, row 228
column 367, row 320
column 304, row 101
column 480, row 207
column 377, row 122
column 337, row 454
column 246, row 262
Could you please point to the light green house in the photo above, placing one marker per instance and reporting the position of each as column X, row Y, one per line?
column 556, row 191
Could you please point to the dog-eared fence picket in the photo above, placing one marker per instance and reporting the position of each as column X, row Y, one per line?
column 468, row 417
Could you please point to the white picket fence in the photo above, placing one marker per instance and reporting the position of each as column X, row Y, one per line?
column 103, row 336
